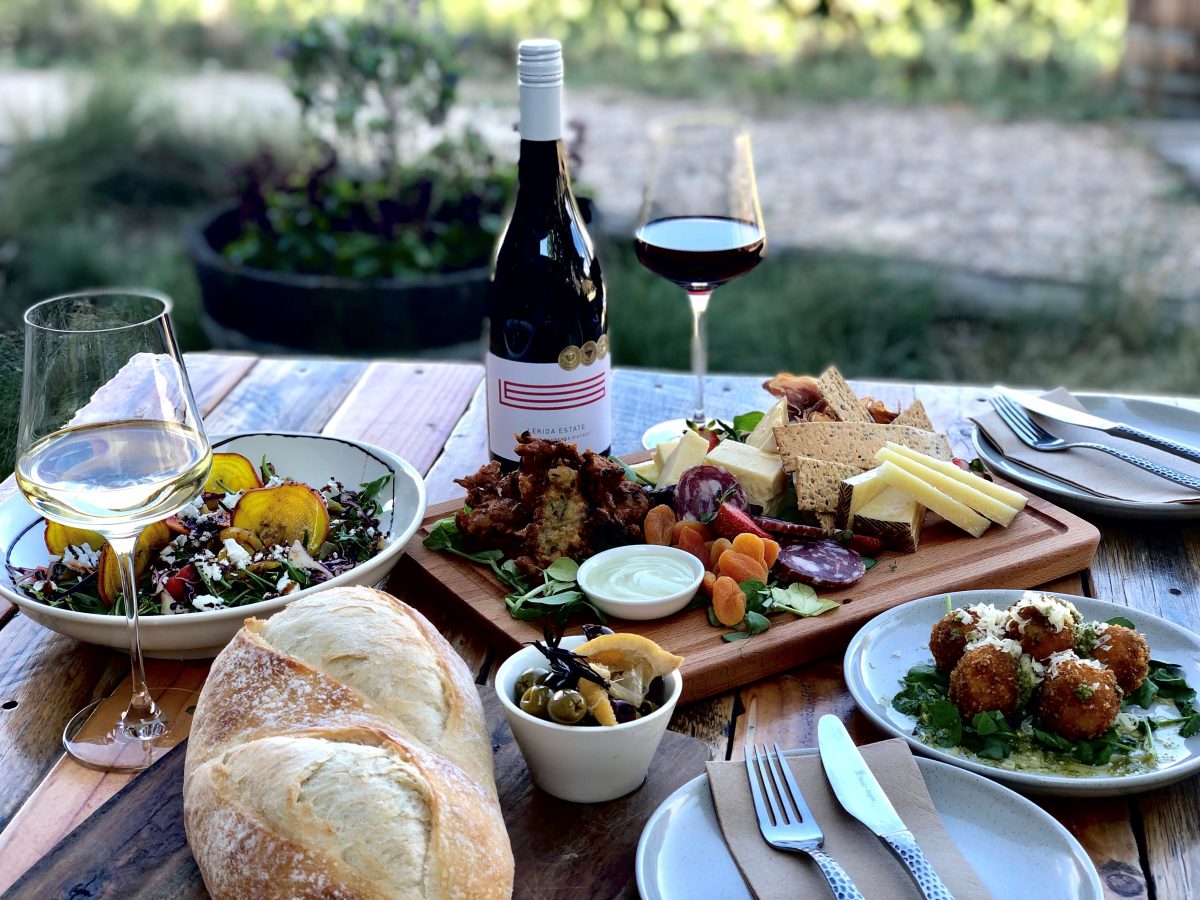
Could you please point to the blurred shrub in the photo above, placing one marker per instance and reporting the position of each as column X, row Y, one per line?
column 382, row 208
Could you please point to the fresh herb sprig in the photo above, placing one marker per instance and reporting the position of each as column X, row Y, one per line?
column 737, row 430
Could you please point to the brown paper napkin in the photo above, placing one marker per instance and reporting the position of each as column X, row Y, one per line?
column 775, row 875
column 1091, row 470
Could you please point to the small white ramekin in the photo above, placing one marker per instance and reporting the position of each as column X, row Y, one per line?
column 643, row 608
column 583, row 764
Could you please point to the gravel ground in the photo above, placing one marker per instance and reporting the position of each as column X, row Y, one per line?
column 1028, row 199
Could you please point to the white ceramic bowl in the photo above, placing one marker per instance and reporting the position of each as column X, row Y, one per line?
column 310, row 458
column 583, row 764
column 642, row 608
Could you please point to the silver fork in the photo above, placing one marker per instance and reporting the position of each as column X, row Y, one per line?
column 1037, row 437
column 785, row 820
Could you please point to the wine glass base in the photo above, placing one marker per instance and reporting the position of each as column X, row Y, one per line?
column 663, row 432
column 97, row 737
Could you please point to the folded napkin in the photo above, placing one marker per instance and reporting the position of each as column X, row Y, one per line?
column 867, row 860
column 1091, row 470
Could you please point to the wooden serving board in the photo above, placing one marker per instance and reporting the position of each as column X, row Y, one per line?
column 134, row 846
column 1043, row 543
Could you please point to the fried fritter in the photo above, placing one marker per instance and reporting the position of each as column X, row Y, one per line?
column 1079, row 698
column 949, row 638
column 1125, row 652
column 986, row 679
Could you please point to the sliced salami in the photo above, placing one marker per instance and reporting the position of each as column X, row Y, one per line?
column 702, row 488
column 822, row 563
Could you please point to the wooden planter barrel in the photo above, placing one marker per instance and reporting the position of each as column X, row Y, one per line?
column 1162, row 55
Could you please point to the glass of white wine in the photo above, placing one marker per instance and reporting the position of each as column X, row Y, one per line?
column 110, row 440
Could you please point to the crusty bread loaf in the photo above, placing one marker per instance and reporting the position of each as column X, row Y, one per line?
column 339, row 750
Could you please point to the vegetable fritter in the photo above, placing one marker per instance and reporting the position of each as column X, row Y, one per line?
column 1079, row 698
column 985, row 679
column 1125, row 652
column 949, row 638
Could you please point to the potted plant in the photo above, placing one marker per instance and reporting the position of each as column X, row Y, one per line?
column 368, row 244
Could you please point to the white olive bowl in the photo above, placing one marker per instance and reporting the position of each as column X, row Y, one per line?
column 583, row 764
column 643, row 607
column 310, row 458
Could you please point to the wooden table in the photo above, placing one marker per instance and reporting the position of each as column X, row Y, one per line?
column 433, row 414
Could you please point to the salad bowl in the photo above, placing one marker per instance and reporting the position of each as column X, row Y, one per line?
column 309, row 458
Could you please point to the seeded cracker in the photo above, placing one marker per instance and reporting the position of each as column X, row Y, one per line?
column 841, row 398
column 854, row 443
column 915, row 416
column 818, row 482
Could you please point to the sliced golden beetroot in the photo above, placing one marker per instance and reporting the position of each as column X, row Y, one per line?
column 230, row 474
column 58, row 537
column 283, row 515
column 108, row 574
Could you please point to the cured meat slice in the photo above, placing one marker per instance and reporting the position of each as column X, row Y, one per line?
column 822, row 563
column 701, row 489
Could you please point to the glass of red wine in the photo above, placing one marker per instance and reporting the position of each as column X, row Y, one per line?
column 700, row 227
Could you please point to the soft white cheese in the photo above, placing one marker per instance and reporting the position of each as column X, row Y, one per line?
column 236, row 553
column 207, row 601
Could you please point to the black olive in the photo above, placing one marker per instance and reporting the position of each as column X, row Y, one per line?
column 591, row 632
column 624, row 711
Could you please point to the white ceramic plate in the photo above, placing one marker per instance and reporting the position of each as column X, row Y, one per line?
column 1017, row 849
column 1181, row 425
column 310, row 458
column 895, row 641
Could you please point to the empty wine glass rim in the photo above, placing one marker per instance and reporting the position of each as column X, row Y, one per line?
column 144, row 293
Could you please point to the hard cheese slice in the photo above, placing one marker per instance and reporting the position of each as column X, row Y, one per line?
column 893, row 517
column 759, row 472
column 690, row 452
column 1003, row 494
column 856, row 492
column 663, row 452
column 931, row 498
column 999, row 512
column 647, row 469
column 763, row 435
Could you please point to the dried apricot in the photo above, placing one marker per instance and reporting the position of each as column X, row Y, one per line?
column 740, row 567
column 658, row 525
column 691, row 542
column 729, row 603
column 719, row 546
column 706, row 584
column 771, row 552
column 751, row 545
column 692, row 525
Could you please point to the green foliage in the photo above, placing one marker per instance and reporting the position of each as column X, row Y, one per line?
column 373, row 84
column 12, row 353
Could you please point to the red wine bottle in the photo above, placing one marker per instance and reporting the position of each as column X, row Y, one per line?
column 548, row 362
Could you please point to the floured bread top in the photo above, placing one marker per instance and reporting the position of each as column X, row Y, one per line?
column 359, row 638
column 366, row 800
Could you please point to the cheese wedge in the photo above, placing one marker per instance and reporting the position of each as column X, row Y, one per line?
column 893, row 517
column 855, row 492
column 998, row 512
column 1003, row 494
column 759, row 472
column 647, row 469
column 931, row 498
column 663, row 452
column 763, row 435
column 691, row 452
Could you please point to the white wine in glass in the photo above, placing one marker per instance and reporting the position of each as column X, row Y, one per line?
column 110, row 440
column 700, row 227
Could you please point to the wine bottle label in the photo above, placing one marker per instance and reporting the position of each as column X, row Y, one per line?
column 568, row 400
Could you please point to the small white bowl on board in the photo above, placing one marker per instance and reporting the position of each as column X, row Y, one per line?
column 634, row 602
column 582, row 763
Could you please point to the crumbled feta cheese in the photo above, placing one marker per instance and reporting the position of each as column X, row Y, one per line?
column 229, row 501
column 207, row 601
column 210, row 570
column 275, row 481
column 279, row 552
column 236, row 553
column 38, row 585
column 283, row 582
column 82, row 555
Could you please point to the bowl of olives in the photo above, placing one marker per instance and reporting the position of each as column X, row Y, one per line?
column 589, row 725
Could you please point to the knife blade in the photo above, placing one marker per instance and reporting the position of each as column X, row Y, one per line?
column 859, row 792
column 1061, row 413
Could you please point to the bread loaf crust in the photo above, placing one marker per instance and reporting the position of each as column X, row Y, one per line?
column 259, row 702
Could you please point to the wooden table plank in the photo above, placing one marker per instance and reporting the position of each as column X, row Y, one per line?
column 286, row 395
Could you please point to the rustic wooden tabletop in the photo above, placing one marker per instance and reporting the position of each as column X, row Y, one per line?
column 433, row 414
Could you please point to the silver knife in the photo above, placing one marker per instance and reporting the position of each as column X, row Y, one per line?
column 860, row 794
column 1087, row 420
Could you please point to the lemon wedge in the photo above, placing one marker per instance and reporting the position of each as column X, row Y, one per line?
column 632, row 661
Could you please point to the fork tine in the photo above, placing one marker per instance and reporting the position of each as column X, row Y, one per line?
column 1020, row 414
column 760, row 807
column 789, row 809
column 768, row 787
column 1004, row 408
column 805, row 814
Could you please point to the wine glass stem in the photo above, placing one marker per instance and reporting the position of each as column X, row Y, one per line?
column 699, row 301
column 142, row 718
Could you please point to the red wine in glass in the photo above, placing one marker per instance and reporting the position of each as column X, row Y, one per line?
column 699, row 250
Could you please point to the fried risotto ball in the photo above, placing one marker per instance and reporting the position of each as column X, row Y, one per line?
column 1038, row 636
column 1079, row 699
column 985, row 679
column 949, row 638
column 1125, row 652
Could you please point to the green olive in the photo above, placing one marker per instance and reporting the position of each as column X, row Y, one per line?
column 566, row 707
column 530, row 677
column 535, row 700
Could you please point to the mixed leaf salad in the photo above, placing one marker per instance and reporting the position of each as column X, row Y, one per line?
column 252, row 535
